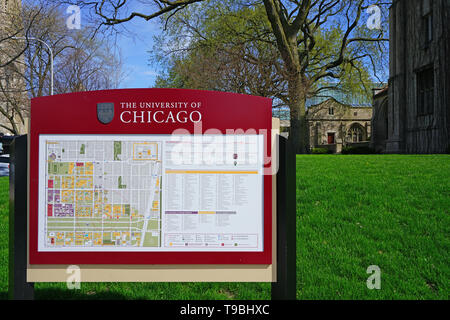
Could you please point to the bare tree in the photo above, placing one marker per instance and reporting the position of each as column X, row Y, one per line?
column 114, row 12
column 83, row 61
column 91, row 65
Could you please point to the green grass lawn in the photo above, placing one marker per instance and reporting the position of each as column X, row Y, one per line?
column 390, row 211
column 352, row 212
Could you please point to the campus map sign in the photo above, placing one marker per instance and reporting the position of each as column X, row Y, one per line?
column 129, row 193
column 151, row 176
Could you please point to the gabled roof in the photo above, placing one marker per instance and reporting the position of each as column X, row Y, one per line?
column 381, row 91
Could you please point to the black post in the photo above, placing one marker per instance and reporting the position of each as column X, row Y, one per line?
column 285, row 287
column 19, row 288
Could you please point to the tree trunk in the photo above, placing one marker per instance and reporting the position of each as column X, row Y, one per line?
column 299, row 127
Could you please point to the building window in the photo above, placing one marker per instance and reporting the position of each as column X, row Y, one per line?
column 355, row 134
column 331, row 111
column 425, row 92
column 355, row 114
column 386, row 128
column 428, row 29
column 427, row 22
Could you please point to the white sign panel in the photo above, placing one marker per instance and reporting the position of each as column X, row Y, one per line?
column 150, row 193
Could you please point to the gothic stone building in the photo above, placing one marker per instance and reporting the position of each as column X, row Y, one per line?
column 413, row 115
column 380, row 130
column 14, row 101
column 333, row 125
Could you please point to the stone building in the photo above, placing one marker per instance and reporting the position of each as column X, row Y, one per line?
column 380, row 130
column 413, row 115
column 14, row 100
column 333, row 125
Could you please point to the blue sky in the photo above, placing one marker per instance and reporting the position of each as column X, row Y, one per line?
column 133, row 41
column 134, row 45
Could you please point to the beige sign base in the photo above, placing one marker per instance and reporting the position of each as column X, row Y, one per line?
column 154, row 273
column 170, row 273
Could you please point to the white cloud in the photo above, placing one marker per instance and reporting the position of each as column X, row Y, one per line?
column 150, row 73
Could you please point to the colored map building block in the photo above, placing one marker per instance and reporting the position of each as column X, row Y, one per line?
column 50, row 210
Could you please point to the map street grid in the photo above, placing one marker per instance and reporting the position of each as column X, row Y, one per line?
column 149, row 193
column 103, row 193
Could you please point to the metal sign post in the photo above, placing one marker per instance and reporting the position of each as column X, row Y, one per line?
column 19, row 288
column 285, row 287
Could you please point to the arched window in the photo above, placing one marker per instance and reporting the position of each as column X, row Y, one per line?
column 355, row 133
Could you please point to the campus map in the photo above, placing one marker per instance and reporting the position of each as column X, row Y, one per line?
column 150, row 193
column 103, row 193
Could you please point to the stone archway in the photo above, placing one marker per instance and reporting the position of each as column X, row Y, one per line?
column 356, row 133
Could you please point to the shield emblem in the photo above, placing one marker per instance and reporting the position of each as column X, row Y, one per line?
column 105, row 112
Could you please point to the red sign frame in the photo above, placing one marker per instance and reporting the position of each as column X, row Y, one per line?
column 76, row 113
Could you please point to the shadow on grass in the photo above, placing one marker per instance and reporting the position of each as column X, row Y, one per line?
column 60, row 294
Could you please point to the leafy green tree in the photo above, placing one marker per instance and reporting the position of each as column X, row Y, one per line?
column 233, row 49
column 310, row 58
column 226, row 49
column 319, row 42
